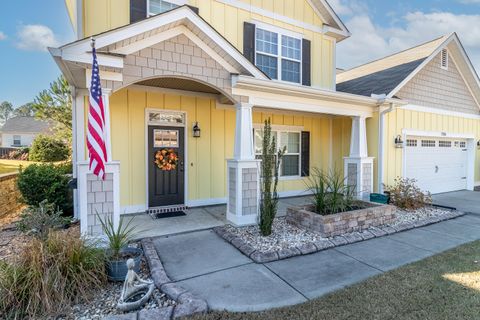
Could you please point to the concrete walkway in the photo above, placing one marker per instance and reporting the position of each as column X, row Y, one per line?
column 200, row 218
column 211, row 268
column 467, row 201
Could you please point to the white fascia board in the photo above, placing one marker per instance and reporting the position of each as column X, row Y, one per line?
column 182, row 13
column 170, row 34
column 470, row 67
column 412, row 107
column 420, row 67
column 150, row 41
column 103, row 60
column 312, row 106
column 437, row 134
column 244, row 82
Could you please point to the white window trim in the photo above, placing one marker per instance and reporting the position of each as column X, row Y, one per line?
column 446, row 59
column 288, row 129
column 280, row 32
column 177, row 2
column 19, row 139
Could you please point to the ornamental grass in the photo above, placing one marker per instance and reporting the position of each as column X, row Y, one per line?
column 50, row 275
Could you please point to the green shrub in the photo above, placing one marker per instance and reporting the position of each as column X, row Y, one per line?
column 39, row 182
column 405, row 194
column 49, row 276
column 331, row 194
column 271, row 158
column 38, row 221
column 48, row 149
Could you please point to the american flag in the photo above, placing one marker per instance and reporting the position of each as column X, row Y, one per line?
column 97, row 151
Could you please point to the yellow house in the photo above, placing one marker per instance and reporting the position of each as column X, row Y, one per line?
column 196, row 80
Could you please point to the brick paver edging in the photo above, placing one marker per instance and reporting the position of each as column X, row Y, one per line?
column 308, row 248
column 187, row 303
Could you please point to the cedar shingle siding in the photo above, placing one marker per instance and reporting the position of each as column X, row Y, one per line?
column 438, row 88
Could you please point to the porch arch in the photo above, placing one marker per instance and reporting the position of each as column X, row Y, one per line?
column 183, row 83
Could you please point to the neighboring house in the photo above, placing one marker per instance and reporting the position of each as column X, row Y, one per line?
column 21, row 131
column 169, row 68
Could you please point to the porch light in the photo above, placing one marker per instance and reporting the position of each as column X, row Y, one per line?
column 196, row 130
column 398, row 142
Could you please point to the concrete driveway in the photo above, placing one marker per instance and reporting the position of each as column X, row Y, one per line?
column 467, row 201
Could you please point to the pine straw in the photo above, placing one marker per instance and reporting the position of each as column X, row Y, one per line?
column 49, row 276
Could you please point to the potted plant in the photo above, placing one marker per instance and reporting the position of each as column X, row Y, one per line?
column 118, row 251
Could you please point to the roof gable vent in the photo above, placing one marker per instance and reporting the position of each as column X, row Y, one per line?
column 444, row 62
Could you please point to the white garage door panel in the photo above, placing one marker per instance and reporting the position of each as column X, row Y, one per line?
column 438, row 165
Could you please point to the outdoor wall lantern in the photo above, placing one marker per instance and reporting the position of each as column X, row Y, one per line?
column 398, row 142
column 196, row 130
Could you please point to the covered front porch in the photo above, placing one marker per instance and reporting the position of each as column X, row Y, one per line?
column 166, row 76
column 197, row 218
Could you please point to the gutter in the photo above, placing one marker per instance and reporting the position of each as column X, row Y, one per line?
column 381, row 137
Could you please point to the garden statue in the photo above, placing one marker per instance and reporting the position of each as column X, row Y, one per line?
column 136, row 291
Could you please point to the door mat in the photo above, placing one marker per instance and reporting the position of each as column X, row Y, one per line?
column 168, row 214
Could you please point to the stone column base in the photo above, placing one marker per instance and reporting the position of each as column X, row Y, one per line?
column 243, row 191
column 98, row 198
column 359, row 175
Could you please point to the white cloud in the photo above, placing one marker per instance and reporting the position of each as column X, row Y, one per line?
column 35, row 37
column 3, row 36
column 370, row 41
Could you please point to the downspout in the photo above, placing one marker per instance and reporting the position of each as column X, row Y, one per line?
column 381, row 139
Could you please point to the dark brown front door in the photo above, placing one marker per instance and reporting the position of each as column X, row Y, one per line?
column 166, row 184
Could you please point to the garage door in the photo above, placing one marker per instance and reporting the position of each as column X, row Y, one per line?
column 438, row 165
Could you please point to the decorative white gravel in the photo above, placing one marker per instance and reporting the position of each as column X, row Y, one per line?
column 403, row 216
column 284, row 235
column 104, row 301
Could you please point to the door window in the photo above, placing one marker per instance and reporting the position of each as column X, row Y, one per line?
column 165, row 139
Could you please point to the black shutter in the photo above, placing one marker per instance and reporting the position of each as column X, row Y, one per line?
column 305, row 169
column 194, row 9
column 306, row 63
column 138, row 10
column 249, row 41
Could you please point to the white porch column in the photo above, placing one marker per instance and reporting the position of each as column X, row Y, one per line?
column 95, row 197
column 358, row 165
column 243, row 172
column 78, row 140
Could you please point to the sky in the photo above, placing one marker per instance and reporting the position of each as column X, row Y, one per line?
column 378, row 27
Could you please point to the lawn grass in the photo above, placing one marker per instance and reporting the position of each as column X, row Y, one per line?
column 445, row 286
column 8, row 166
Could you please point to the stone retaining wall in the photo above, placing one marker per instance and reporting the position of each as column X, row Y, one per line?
column 337, row 224
column 9, row 194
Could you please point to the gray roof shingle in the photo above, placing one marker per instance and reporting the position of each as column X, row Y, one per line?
column 381, row 82
column 26, row 125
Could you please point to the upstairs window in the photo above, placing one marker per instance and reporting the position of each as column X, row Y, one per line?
column 444, row 59
column 278, row 55
column 160, row 6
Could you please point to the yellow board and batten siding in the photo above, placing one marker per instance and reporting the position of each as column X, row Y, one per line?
column 104, row 15
column 206, row 155
column 400, row 119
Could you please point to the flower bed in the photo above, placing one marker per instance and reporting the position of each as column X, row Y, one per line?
column 288, row 241
column 367, row 215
